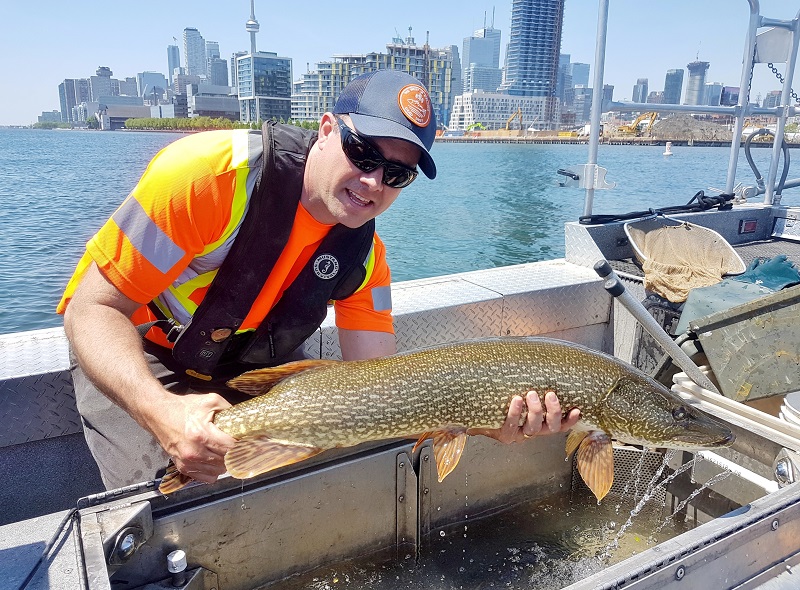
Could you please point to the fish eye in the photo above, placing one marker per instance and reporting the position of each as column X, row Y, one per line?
column 680, row 413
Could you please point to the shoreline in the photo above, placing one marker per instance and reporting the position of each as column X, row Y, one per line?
column 645, row 141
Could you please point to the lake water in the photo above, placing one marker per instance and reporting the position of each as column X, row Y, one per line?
column 491, row 204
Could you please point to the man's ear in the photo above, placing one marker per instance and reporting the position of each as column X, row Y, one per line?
column 326, row 129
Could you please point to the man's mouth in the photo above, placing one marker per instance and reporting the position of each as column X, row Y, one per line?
column 357, row 200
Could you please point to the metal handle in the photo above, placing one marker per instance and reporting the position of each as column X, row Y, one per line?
column 615, row 287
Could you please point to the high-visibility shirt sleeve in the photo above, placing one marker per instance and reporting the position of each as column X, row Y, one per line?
column 181, row 203
column 370, row 308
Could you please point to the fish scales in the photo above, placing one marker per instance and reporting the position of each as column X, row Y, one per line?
column 468, row 384
column 446, row 393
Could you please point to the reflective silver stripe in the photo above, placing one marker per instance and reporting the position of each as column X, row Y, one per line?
column 382, row 298
column 147, row 237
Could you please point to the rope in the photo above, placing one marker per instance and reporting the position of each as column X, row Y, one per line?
column 703, row 203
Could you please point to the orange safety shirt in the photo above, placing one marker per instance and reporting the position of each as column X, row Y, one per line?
column 169, row 237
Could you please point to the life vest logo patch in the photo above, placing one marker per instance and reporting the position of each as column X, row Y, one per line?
column 326, row 266
column 415, row 104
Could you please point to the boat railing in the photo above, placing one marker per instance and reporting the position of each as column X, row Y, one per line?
column 777, row 44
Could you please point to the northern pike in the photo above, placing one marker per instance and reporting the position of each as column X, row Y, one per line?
column 446, row 393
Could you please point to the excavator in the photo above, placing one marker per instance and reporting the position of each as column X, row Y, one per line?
column 517, row 115
column 633, row 128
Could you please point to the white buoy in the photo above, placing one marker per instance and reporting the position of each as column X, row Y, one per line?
column 668, row 151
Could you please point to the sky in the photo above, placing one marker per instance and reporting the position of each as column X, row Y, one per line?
column 47, row 41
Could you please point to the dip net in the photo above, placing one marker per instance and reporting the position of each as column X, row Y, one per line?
column 677, row 257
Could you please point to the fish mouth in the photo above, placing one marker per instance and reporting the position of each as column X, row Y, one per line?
column 702, row 440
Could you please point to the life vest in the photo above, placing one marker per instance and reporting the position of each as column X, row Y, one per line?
column 208, row 345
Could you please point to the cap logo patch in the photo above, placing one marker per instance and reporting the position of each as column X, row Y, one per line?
column 415, row 104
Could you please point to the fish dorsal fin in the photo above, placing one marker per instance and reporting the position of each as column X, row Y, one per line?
column 251, row 456
column 173, row 480
column 595, row 461
column 260, row 381
column 448, row 444
column 574, row 439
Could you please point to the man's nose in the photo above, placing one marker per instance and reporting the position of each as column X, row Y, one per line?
column 373, row 179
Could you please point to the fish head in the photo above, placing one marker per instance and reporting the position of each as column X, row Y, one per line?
column 639, row 410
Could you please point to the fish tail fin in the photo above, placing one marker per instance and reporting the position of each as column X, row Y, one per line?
column 173, row 480
column 595, row 460
column 260, row 381
column 574, row 440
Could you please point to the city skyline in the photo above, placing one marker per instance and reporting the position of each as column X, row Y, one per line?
column 52, row 43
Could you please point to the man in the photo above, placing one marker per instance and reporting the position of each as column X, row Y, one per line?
column 225, row 256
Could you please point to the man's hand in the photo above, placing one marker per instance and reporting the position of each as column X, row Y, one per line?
column 539, row 421
column 188, row 434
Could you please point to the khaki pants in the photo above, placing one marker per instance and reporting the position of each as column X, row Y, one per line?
column 125, row 452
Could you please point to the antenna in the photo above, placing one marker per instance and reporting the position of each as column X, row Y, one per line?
column 697, row 57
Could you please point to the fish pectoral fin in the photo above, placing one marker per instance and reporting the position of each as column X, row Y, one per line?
column 574, row 439
column 259, row 454
column 173, row 480
column 448, row 445
column 595, row 461
column 260, row 381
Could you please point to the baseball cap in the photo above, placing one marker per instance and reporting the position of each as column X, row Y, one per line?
column 391, row 104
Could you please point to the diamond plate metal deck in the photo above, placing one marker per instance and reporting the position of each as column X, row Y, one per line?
column 552, row 297
column 33, row 353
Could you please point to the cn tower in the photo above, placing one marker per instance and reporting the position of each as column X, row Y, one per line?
column 252, row 27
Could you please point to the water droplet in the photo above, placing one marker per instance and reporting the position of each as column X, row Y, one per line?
column 441, row 533
column 462, row 569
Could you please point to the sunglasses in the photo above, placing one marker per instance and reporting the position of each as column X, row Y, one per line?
column 365, row 157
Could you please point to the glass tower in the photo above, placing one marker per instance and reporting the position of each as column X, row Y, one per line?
column 533, row 47
column 673, row 86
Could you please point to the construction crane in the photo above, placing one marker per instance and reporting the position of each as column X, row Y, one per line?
column 517, row 115
column 633, row 128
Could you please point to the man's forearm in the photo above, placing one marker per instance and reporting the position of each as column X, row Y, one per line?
column 109, row 350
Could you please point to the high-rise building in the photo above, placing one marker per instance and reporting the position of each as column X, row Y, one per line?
column 583, row 104
column 263, row 81
column 173, row 61
column 264, row 86
column 729, row 96
column 194, row 52
column 437, row 69
column 480, row 57
column 673, row 86
column 212, row 53
column 773, row 99
column 128, row 87
column 580, row 74
column 533, row 49
column 564, row 85
column 712, row 93
column 152, row 86
column 656, row 97
column 234, row 82
column 218, row 72
column 608, row 93
column 696, row 83
column 640, row 91
column 100, row 84
column 72, row 92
